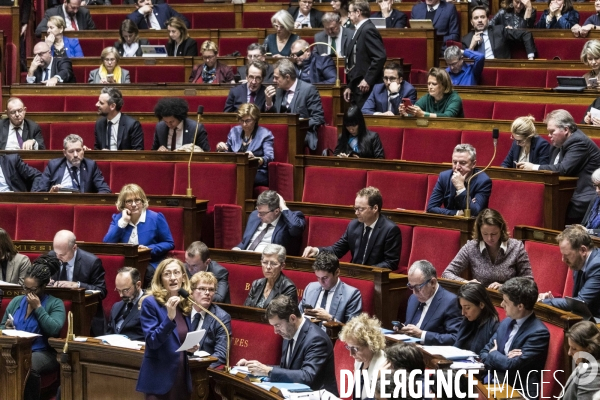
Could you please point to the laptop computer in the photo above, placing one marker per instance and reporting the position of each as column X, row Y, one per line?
column 421, row 23
column 378, row 22
column 570, row 84
column 153, row 50
column 580, row 308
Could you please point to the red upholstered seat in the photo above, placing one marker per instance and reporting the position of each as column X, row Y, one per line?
column 566, row 49
column 367, row 291
column 210, row 103
column 227, row 226
column 81, row 103
column 332, row 185
column 29, row 226
column 438, row 246
column 510, row 198
column 40, row 165
column 401, row 190
column 431, row 181
column 554, row 362
column 257, row 19
column 280, row 142
column 154, row 178
column 488, row 77
column 160, row 73
column 577, row 111
column 213, row 20
column 111, row 265
column 140, row 104
column 65, row 328
column 217, row 133
column 521, row 77
column 324, row 231
column 91, row 47
column 429, row 145
column 328, row 137
column 482, row 141
column 228, row 45
column 342, row 360
column 44, row 103
column 551, row 75
column 90, row 223
column 417, row 56
column 100, row 20
column 213, row 182
column 174, row 217
column 407, row 232
column 60, row 130
column 281, row 179
column 240, row 280
column 512, row 110
column 549, row 272
column 301, row 279
column 391, row 139
column 329, row 114
column 569, row 285
column 79, row 72
column 104, row 167
column 8, row 219
column 249, row 339
column 478, row 109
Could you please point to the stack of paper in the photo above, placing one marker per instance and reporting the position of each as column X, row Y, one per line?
column 121, row 341
column 450, row 352
column 18, row 333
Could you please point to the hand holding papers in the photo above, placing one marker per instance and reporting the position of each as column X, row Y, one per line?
column 192, row 339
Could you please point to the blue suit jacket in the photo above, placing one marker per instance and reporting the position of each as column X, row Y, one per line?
column 473, row 337
column 261, row 146
column 215, row 339
column 321, row 69
column 72, row 47
column 586, row 286
column 161, row 135
column 442, row 320
column 311, row 362
column 162, row 12
column 154, row 233
column 238, row 95
column 346, row 304
column 287, row 233
column 131, row 327
column 539, row 153
column 532, row 339
column 444, row 193
column 90, row 180
column 18, row 176
column 161, row 360
column 445, row 20
column 378, row 99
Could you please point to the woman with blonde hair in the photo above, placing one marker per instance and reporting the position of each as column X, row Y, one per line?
column 584, row 336
column 211, row 71
column 61, row 46
column 527, row 146
column 279, row 44
column 129, row 43
column 366, row 344
column 180, row 43
column 109, row 71
column 590, row 56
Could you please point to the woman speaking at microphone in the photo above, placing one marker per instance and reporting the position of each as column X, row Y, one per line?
column 165, row 320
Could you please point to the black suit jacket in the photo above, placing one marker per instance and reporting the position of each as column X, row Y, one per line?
column 84, row 19
column 369, row 146
column 189, row 47
column 31, row 130
column 61, row 67
column 91, row 179
column 238, row 96
column 243, row 75
column 472, row 336
column 322, row 37
column 315, row 16
column 383, row 248
column 365, row 56
column 161, row 134
column 162, row 12
column 131, row 327
column 283, row 285
column 88, row 271
column 130, row 135
column 501, row 39
column 222, row 275
column 19, row 176
column 119, row 46
column 539, row 152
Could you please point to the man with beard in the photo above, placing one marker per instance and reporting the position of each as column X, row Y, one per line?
column 125, row 315
column 77, row 18
column 17, row 132
column 116, row 131
column 252, row 91
column 312, row 67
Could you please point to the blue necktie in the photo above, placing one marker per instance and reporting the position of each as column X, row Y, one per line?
column 504, row 338
column 418, row 314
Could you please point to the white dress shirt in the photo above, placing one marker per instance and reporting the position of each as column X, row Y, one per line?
column 133, row 239
column 67, row 180
column 178, row 140
column 114, row 131
column 267, row 239
column 3, row 185
column 12, row 142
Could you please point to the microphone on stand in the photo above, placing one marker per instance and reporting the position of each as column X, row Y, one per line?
column 188, row 191
column 495, row 135
column 184, row 293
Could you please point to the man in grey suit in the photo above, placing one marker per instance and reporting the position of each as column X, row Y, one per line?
column 17, row 132
column 333, row 34
column 296, row 97
column 76, row 17
column 197, row 259
column 114, row 130
column 574, row 154
column 330, row 299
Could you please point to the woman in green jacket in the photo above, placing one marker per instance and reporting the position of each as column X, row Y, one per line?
column 440, row 101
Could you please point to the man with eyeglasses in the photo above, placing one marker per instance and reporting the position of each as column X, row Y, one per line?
column 460, row 73
column 17, row 132
column 154, row 16
column 371, row 238
column 432, row 313
column 125, row 314
column 573, row 154
column 273, row 222
column 387, row 96
column 334, row 35
column 49, row 70
column 255, row 52
column 115, row 130
column 197, row 259
column 311, row 66
column 175, row 130
column 252, row 91
column 305, row 16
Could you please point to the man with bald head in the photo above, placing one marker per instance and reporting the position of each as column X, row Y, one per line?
column 49, row 70
column 311, row 66
column 18, row 133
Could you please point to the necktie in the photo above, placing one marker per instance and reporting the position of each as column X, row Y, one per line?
column 284, row 103
column 19, row 137
column 46, row 74
column 73, row 23
column 148, row 21
column 75, row 178
column 288, row 358
column 108, row 134
column 578, row 279
column 259, row 238
column 124, row 313
column 252, row 97
column 481, row 47
column 504, row 338
column 360, row 256
column 196, row 321
column 333, row 43
column 390, row 104
column 63, row 273
column 324, row 299
column 174, row 140
column 418, row 314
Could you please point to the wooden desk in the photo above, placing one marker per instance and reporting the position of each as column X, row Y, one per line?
column 231, row 387
column 100, row 372
column 14, row 366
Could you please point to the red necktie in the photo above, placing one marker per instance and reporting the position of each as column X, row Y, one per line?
column 74, row 24
column 252, row 97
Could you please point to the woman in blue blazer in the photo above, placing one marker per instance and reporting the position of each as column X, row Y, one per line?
column 251, row 139
column 59, row 45
column 135, row 224
column 527, row 145
column 165, row 320
column 480, row 318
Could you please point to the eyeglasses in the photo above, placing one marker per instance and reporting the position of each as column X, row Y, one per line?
column 360, row 210
column 519, row 141
column 263, row 213
column 30, row 289
column 205, row 289
column 15, row 112
column 270, row 264
column 452, row 64
column 252, row 78
column 254, row 56
column 390, row 78
column 353, row 349
column 41, row 53
column 110, row 60
column 208, row 58
column 417, row 288
column 124, row 291
column 131, row 201
column 169, row 274
column 246, row 122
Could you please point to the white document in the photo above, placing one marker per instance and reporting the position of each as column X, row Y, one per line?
column 192, row 339
column 467, row 365
column 450, row 352
column 120, row 341
column 236, row 369
column 3, row 283
column 201, row 353
column 399, row 336
column 18, row 333
column 594, row 112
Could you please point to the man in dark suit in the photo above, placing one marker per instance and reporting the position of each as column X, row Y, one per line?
column 330, row 299
column 307, row 352
column 255, row 52
column 273, row 222
column 387, row 96
column 371, row 238
column 334, row 35
column 518, row 350
column 114, row 130
column 451, row 187
column 495, row 41
column 296, row 97
column 175, row 129
column 197, row 259
column 77, row 18
column 154, row 16
column 72, row 172
column 250, row 92
column 365, row 55
column 125, row 315
column 311, row 66
column 443, row 16
column 432, row 313
column 17, row 132
column 574, row 154
column 583, row 258
column 305, row 16
column 49, row 70
column 214, row 342
column 15, row 175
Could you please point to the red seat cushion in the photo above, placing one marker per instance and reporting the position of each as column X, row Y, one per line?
column 488, row 77
column 240, row 280
column 8, row 219
column 257, row 19
column 576, row 110
column 111, row 265
column 429, row 145
column 250, row 339
column 569, row 285
column 332, row 185
column 511, row 110
column 153, row 177
column 554, row 362
column 401, row 190
column 395, row 47
column 324, row 232
column 328, row 136
column 280, row 142
column 407, row 232
column 482, row 141
column 228, row 45
column 174, row 217
column 213, row 19
column 509, row 198
column 551, row 75
column 81, row 103
column 549, row 272
column 478, row 109
column 342, row 360
column 447, row 244
column 216, row 133
column 213, row 182
column 227, row 226
column 391, row 139
column 90, row 223
column 56, row 218
column 281, row 179
column 160, row 73
column 521, row 77
column 60, row 130
column 65, row 328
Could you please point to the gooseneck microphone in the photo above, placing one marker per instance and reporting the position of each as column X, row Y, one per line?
column 495, row 136
column 188, row 191
column 185, row 294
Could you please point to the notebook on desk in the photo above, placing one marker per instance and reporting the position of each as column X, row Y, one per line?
column 378, row 22
column 153, row 50
column 580, row 308
column 570, row 84
column 421, row 23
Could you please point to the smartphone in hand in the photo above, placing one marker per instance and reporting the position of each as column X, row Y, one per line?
column 406, row 102
column 398, row 324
